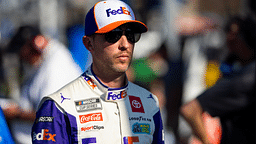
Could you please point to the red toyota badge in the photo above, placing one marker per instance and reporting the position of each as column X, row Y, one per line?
column 136, row 104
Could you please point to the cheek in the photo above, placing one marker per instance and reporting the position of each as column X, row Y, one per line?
column 101, row 54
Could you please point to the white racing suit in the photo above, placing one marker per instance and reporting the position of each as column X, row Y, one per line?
column 86, row 112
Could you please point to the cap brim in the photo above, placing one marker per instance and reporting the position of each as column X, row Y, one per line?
column 138, row 26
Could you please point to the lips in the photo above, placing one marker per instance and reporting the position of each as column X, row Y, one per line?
column 123, row 56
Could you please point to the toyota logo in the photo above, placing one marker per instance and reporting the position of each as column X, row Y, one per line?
column 136, row 104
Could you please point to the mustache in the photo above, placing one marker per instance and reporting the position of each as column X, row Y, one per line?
column 121, row 54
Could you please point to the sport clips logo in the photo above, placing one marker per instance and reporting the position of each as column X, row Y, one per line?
column 122, row 10
column 91, row 128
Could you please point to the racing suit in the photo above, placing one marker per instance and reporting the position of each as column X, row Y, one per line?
column 86, row 111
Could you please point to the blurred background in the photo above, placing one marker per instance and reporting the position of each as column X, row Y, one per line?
column 177, row 59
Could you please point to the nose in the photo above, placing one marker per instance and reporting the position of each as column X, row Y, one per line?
column 124, row 43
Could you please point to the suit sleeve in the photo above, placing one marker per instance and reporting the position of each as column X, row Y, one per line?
column 52, row 125
column 158, row 137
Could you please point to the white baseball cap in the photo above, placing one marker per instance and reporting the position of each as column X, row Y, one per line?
column 105, row 16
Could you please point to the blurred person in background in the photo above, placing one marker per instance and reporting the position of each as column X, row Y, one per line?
column 232, row 98
column 46, row 65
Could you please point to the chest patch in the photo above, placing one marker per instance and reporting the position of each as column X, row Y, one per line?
column 88, row 104
column 136, row 104
column 141, row 128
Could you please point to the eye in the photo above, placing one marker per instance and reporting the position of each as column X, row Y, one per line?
column 113, row 36
column 130, row 36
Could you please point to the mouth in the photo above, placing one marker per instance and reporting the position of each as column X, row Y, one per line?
column 123, row 57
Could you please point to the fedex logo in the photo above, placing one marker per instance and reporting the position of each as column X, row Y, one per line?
column 44, row 135
column 122, row 10
column 117, row 95
column 131, row 139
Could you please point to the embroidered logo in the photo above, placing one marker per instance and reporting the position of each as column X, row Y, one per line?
column 141, row 128
column 139, row 118
column 121, row 10
column 90, row 82
column 131, row 139
column 116, row 95
column 63, row 98
column 45, row 119
column 90, row 117
column 44, row 135
column 88, row 104
column 91, row 128
column 136, row 104
column 151, row 96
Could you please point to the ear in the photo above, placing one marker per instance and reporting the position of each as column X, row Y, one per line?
column 87, row 42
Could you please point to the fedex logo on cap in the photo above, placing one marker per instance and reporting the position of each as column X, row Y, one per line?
column 121, row 10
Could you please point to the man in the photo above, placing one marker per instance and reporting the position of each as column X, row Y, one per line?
column 46, row 66
column 102, row 106
column 232, row 98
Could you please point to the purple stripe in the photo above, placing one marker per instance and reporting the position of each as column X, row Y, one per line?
column 89, row 140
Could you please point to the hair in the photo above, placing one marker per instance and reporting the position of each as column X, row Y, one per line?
column 23, row 34
column 246, row 29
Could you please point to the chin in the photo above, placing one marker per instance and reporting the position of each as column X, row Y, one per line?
column 121, row 69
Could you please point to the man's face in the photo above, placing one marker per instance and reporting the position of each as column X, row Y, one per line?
column 111, row 57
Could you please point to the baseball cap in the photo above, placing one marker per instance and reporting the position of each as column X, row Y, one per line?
column 105, row 16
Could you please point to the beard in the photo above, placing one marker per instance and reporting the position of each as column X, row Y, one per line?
column 121, row 67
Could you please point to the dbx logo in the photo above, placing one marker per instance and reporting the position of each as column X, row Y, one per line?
column 122, row 10
column 44, row 135
column 115, row 96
